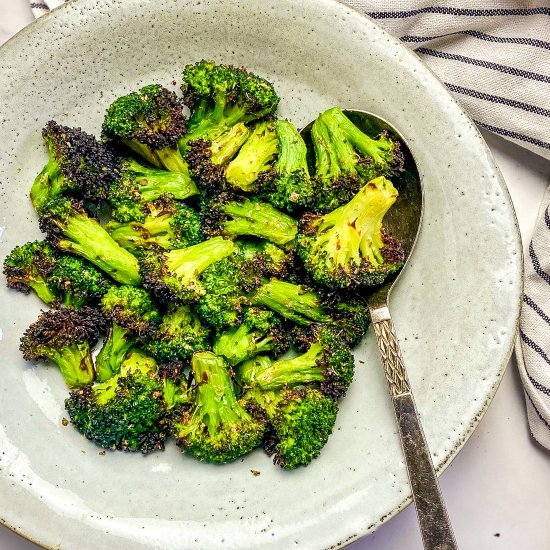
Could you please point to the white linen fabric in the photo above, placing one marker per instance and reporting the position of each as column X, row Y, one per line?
column 494, row 57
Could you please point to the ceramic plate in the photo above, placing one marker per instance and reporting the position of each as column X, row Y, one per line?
column 455, row 308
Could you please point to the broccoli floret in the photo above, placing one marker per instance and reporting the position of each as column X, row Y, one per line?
column 224, row 297
column 78, row 281
column 179, row 335
column 27, row 268
column 288, row 185
column 78, row 164
column 255, row 156
column 174, row 276
column 127, row 412
column 348, row 247
column 328, row 363
column 138, row 185
column 207, row 159
column 149, row 122
column 168, row 224
column 216, row 428
column 227, row 215
column 65, row 337
column 346, row 158
column 221, row 96
column 133, row 315
column 301, row 421
column 261, row 331
column 70, row 229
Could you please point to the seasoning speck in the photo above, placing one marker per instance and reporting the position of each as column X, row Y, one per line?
column 64, row 421
column 102, row 453
column 255, row 473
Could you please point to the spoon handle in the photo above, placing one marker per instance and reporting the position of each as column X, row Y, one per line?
column 435, row 526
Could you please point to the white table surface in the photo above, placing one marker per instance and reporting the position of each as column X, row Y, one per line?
column 498, row 488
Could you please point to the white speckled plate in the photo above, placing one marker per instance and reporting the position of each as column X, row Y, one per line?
column 455, row 308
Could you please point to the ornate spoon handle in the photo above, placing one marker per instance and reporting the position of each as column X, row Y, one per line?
column 435, row 527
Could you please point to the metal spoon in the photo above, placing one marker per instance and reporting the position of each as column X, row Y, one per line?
column 403, row 221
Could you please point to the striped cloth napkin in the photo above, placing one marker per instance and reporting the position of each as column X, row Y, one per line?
column 494, row 57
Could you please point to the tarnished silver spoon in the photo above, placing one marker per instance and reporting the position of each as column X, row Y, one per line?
column 403, row 221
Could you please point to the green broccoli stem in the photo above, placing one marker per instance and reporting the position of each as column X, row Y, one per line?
column 292, row 149
column 173, row 394
column 46, row 183
column 267, row 375
column 171, row 159
column 116, row 346
column 143, row 151
column 43, row 291
column 327, row 163
column 226, row 146
column 85, row 237
column 72, row 300
column 238, row 344
column 254, row 157
column 293, row 302
column 189, row 262
column 135, row 235
column 75, row 363
column 260, row 219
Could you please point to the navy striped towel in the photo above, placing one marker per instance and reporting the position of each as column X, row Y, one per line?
column 495, row 59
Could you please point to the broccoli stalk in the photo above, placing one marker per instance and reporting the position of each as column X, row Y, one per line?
column 260, row 332
column 217, row 428
column 288, row 184
column 174, row 275
column 139, row 185
column 65, row 337
column 127, row 412
column 168, row 224
column 348, row 247
column 149, row 122
column 116, row 346
column 254, row 157
column 328, row 363
column 27, row 268
column 70, row 229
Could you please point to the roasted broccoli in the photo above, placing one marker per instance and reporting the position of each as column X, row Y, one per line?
column 78, row 164
column 227, row 215
column 65, row 337
column 127, row 412
column 261, row 331
column 216, row 428
column 328, row 363
column 78, row 282
column 173, row 276
column 348, row 247
column 133, row 315
column 346, row 158
column 149, row 122
column 255, row 156
column 179, row 335
column 287, row 185
column 27, row 268
column 301, row 421
column 70, row 229
column 139, row 185
column 169, row 224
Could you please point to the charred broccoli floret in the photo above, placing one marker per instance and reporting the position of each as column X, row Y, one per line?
column 174, row 276
column 133, row 315
column 328, row 363
column 78, row 164
column 65, row 337
column 27, row 268
column 288, row 185
column 127, row 412
column 149, row 122
column 70, row 229
column 255, row 156
column 139, row 185
column 348, row 247
column 346, row 158
column 179, row 335
column 78, row 281
column 261, row 331
column 169, row 224
column 301, row 421
column 217, row 428
column 228, row 216
column 221, row 96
